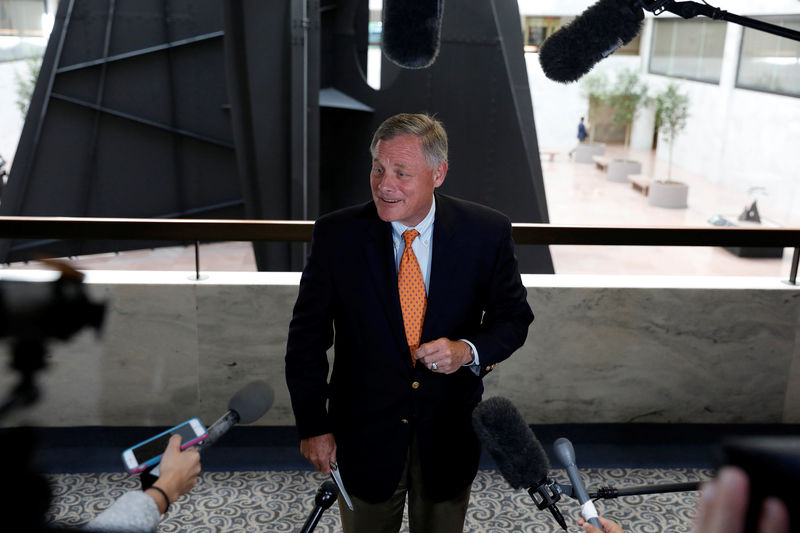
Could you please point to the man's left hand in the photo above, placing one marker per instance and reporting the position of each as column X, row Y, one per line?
column 444, row 356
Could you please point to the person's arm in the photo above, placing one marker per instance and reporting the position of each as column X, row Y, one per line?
column 178, row 474
column 507, row 315
column 505, row 322
column 138, row 511
column 310, row 336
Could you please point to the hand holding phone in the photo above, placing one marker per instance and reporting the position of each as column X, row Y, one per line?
column 149, row 452
column 179, row 469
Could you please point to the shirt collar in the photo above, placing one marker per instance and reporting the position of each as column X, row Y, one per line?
column 424, row 227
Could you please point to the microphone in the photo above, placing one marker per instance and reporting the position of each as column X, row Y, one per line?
column 411, row 31
column 325, row 497
column 573, row 50
column 566, row 454
column 518, row 454
column 246, row 406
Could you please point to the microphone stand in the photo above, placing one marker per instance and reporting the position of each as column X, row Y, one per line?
column 607, row 493
column 325, row 497
column 545, row 495
column 692, row 9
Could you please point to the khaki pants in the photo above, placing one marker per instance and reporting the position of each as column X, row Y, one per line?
column 424, row 516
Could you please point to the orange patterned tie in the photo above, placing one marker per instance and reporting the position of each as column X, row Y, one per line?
column 412, row 293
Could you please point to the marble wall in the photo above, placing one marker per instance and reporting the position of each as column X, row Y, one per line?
column 602, row 349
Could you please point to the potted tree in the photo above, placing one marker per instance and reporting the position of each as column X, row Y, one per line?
column 627, row 94
column 672, row 111
column 613, row 106
column 612, row 109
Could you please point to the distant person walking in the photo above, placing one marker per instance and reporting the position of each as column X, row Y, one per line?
column 582, row 135
column 582, row 131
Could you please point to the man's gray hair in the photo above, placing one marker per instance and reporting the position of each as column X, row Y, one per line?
column 429, row 131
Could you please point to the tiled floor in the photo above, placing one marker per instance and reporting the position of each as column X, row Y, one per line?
column 577, row 194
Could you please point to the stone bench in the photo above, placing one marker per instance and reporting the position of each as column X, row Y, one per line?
column 585, row 151
column 619, row 169
column 640, row 183
column 601, row 161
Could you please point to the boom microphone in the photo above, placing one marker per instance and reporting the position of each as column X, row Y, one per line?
column 518, row 454
column 566, row 454
column 246, row 406
column 411, row 31
column 573, row 50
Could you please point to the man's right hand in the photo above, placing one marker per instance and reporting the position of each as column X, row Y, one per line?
column 320, row 451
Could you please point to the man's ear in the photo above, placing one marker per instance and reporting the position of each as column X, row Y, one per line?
column 439, row 174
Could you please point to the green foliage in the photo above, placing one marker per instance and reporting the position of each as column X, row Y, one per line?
column 594, row 86
column 672, row 111
column 625, row 96
column 26, row 82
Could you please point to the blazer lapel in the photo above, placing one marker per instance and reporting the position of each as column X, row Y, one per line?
column 443, row 263
column 379, row 254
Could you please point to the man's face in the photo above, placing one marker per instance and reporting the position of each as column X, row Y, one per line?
column 402, row 182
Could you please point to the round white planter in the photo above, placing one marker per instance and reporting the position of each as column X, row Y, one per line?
column 585, row 151
column 672, row 194
column 619, row 169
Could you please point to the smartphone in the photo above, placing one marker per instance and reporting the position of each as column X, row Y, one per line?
column 148, row 453
column 773, row 466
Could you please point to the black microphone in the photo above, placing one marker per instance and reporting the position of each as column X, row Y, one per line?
column 573, row 50
column 246, row 406
column 566, row 454
column 518, row 454
column 411, row 31
column 325, row 497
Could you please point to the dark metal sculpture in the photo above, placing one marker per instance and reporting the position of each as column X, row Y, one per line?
column 252, row 109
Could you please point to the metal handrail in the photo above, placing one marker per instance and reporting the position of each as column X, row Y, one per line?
column 196, row 230
column 81, row 228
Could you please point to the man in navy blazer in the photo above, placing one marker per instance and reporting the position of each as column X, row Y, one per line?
column 398, row 420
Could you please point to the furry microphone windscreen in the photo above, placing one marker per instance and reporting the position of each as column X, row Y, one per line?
column 252, row 401
column 509, row 440
column 411, row 30
column 573, row 50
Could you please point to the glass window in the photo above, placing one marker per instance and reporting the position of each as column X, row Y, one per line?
column 22, row 29
column 536, row 29
column 21, row 18
column 690, row 49
column 769, row 62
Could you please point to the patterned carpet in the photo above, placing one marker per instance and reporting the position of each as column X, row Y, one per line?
column 281, row 501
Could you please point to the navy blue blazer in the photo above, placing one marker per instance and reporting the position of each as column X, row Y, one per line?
column 375, row 399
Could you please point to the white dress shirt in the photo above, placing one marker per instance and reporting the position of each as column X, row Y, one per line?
column 422, row 247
